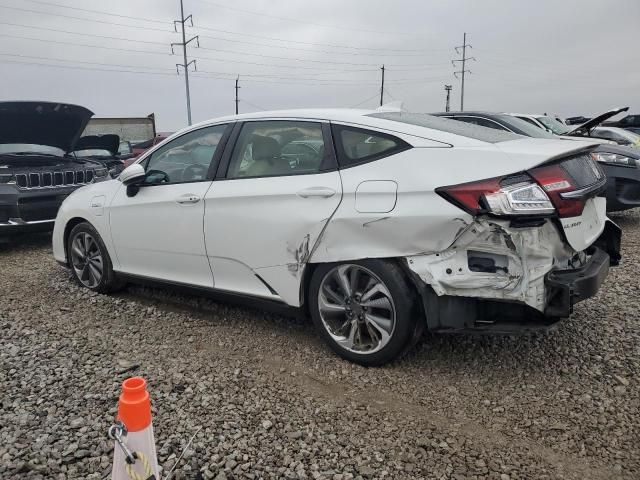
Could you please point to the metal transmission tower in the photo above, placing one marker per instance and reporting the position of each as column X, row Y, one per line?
column 462, row 72
column 185, row 65
column 447, row 89
column 382, row 86
column 237, row 88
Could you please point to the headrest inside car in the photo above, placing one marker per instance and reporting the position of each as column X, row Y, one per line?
column 265, row 148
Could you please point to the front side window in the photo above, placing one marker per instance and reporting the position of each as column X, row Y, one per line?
column 357, row 145
column 186, row 159
column 276, row 148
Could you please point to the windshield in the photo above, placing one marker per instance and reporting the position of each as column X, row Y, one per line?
column 31, row 148
column 554, row 125
column 523, row 127
column 93, row 152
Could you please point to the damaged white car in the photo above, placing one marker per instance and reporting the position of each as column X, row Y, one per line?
column 378, row 224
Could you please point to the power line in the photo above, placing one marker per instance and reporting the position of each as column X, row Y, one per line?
column 62, row 42
column 298, row 21
column 366, row 100
column 254, row 106
column 101, row 12
column 75, row 67
column 86, row 62
column 288, row 47
column 463, row 60
column 400, row 67
column 168, row 72
column 325, row 62
column 300, row 42
column 137, row 27
column 305, row 77
column 107, row 37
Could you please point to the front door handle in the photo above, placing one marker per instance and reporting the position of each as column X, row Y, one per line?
column 187, row 199
column 324, row 192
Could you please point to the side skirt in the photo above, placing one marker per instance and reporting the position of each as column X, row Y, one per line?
column 222, row 296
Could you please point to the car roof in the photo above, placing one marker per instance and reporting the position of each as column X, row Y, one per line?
column 468, row 112
column 359, row 118
column 530, row 115
column 338, row 114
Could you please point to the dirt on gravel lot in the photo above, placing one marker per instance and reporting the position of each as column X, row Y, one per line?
column 272, row 401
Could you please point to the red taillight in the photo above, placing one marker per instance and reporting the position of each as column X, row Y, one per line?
column 467, row 195
column 555, row 181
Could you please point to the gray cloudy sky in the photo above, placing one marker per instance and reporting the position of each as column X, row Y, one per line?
column 566, row 57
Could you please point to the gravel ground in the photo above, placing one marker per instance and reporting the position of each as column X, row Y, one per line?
column 273, row 402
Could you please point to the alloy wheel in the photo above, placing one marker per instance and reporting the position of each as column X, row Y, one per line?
column 86, row 259
column 356, row 309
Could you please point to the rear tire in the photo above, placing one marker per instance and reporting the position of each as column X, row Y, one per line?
column 365, row 309
column 89, row 260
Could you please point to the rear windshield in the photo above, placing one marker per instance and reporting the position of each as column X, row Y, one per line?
column 484, row 134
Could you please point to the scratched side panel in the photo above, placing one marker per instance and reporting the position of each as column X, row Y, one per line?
column 262, row 226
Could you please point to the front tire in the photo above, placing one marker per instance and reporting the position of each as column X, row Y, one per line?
column 365, row 309
column 90, row 261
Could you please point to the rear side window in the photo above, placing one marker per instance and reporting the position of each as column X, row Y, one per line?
column 356, row 145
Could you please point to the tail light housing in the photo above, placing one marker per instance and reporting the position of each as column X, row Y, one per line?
column 560, row 188
column 502, row 196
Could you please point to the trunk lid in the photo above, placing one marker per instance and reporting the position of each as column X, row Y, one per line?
column 582, row 213
column 586, row 127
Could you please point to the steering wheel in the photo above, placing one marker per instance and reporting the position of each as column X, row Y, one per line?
column 194, row 171
column 160, row 177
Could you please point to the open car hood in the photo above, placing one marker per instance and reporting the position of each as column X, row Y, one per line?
column 110, row 142
column 587, row 126
column 42, row 123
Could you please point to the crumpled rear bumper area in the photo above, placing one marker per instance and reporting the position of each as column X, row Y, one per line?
column 496, row 271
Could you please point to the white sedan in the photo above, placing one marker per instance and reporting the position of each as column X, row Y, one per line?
column 379, row 225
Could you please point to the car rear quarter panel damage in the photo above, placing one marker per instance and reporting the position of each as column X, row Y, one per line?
column 490, row 259
column 438, row 239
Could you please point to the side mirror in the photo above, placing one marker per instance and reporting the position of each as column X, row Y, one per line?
column 132, row 174
column 132, row 177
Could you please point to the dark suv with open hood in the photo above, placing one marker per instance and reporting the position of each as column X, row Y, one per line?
column 37, row 167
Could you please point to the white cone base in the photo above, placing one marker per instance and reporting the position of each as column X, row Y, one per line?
column 142, row 441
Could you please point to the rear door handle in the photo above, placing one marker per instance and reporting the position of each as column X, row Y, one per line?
column 187, row 199
column 324, row 192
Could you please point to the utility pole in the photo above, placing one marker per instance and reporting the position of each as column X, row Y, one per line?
column 447, row 89
column 462, row 72
column 237, row 88
column 185, row 65
column 382, row 86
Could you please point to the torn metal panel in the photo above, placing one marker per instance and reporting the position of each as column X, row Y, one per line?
column 403, row 232
column 489, row 259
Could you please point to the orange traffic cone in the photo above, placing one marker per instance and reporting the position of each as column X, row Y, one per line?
column 135, row 449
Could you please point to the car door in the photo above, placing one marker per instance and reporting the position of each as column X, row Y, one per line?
column 158, row 233
column 268, row 206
